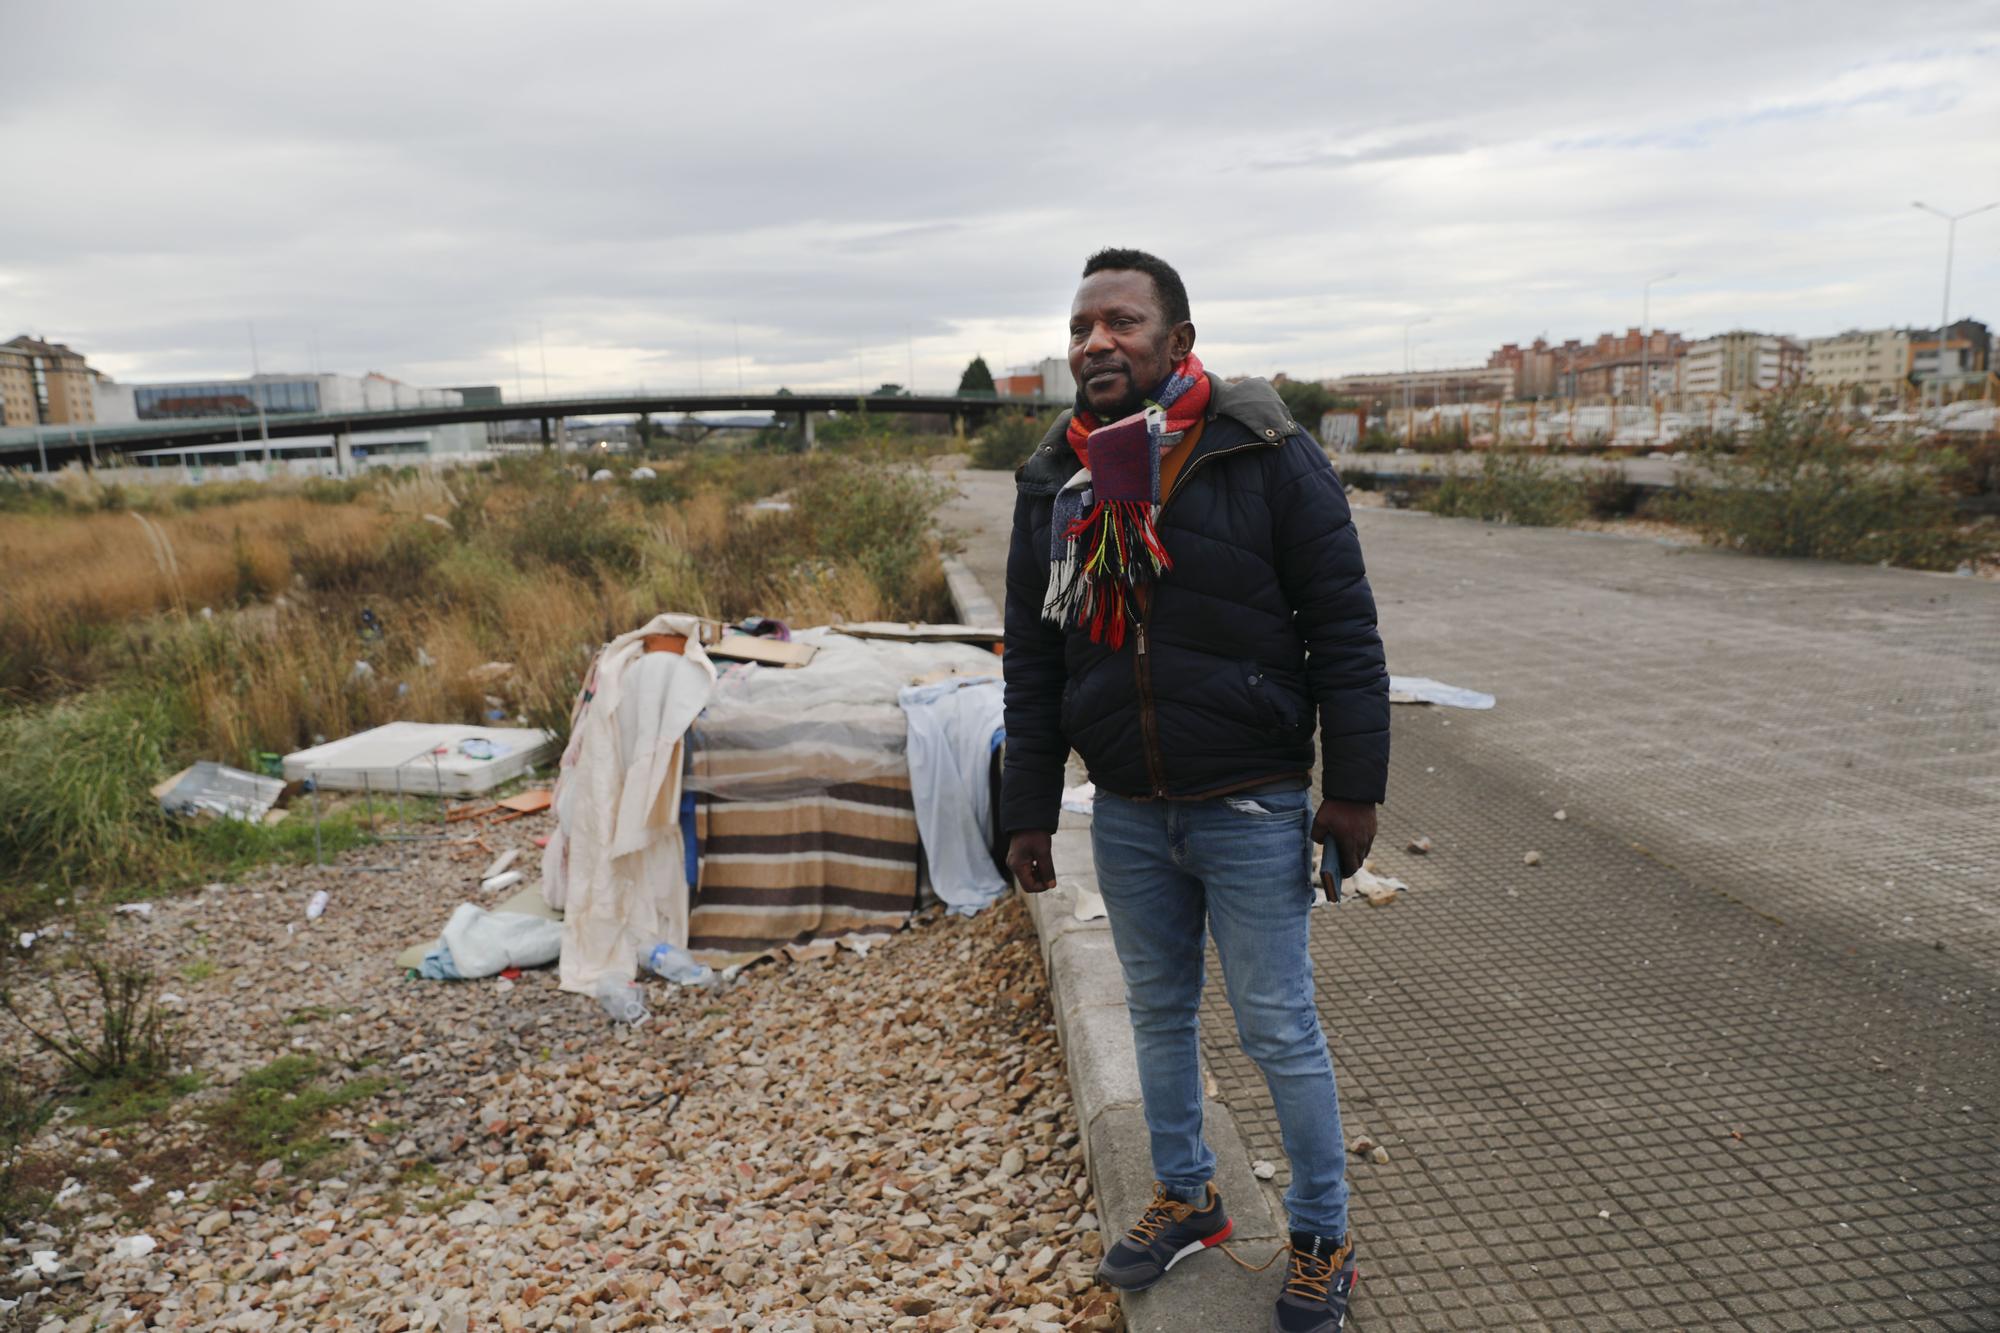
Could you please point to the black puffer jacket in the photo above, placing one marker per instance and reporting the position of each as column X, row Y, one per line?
column 1264, row 626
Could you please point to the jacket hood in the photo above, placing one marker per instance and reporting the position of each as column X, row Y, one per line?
column 1251, row 404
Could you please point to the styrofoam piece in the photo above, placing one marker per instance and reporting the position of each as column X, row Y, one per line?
column 372, row 759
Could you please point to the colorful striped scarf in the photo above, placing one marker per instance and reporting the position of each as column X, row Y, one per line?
column 1104, row 545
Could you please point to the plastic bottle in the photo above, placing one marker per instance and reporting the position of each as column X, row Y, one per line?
column 675, row 964
column 316, row 906
column 623, row 1000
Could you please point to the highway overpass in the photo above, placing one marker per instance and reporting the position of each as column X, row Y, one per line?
column 54, row 446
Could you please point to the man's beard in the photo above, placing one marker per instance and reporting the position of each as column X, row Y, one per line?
column 1134, row 399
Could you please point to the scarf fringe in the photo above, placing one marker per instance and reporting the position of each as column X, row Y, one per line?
column 1113, row 551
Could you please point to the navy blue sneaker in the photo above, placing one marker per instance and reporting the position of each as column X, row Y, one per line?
column 1317, row 1286
column 1166, row 1233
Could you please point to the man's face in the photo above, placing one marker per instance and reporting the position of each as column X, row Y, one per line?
column 1120, row 344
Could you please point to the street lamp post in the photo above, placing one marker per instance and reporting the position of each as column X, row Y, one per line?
column 1646, row 337
column 1951, row 221
column 1409, row 402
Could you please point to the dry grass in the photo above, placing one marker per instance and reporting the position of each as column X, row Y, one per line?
column 326, row 615
column 71, row 576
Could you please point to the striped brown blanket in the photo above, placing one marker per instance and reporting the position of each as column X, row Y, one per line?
column 819, row 840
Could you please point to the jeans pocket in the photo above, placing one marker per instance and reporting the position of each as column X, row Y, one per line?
column 1286, row 805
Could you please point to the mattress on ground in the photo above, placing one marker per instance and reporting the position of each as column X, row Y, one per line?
column 425, row 758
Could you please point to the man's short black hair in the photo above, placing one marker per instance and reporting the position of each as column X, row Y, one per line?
column 1166, row 282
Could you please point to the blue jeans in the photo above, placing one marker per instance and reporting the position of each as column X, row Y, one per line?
column 1169, row 871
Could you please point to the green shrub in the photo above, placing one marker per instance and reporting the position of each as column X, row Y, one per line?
column 1607, row 493
column 1508, row 487
column 876, row 518
column 573, row 527
column 128, row 1039
column 1005, row 442
column 1796, row 485
column 73, row 781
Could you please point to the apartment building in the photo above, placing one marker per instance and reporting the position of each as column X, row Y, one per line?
column 59, row 384
column 1875, row 360
column 1742, row 362
column 17, row 388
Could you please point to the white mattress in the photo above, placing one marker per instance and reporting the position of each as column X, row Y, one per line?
column 375, row 759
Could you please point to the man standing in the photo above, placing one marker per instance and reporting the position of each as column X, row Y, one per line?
column 1185, row 603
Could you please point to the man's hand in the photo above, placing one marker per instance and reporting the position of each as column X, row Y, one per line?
column 1351, row 826
column 1029, row 858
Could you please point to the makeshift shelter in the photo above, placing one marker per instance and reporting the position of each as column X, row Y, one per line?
column 800, row 805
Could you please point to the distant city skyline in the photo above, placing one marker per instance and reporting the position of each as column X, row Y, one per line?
column 833, row 197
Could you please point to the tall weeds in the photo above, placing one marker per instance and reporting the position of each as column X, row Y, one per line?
column 133, row 644
column 1797, row 485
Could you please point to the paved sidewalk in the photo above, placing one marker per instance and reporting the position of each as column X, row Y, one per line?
column 1748, row 1005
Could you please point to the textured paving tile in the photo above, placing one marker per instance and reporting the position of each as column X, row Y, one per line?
column 1748, row 752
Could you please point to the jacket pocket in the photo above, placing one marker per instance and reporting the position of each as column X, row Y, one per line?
column 1270, row 698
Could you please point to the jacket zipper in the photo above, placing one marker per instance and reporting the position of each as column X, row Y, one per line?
column 1142, row 665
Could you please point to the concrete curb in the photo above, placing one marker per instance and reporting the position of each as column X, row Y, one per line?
column 1207, row 1293
column 968, row 595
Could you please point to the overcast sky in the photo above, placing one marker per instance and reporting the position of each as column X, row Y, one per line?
column 415, row 187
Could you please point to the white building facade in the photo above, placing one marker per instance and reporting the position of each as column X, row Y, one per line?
column 1875, row 360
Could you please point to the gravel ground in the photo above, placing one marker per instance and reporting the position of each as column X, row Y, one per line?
column 851, row 1143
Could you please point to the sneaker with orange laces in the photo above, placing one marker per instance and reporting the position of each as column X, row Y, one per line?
column 1318, row 1285
column 1166, row 1233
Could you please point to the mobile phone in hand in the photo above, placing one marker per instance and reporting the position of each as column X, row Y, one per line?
column 1329, row 870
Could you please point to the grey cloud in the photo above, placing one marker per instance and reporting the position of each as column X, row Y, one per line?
column 420, row 184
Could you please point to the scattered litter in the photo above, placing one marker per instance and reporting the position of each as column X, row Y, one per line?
column 505, row 880
column 1561, row 815
column 602, row 474
column 1362, row 1145
column 1379, row 1155
column 1378, row 890
column 360, row 671
column 316, row 907
column 477, row 747
column 478, row 943
column 1424, row 690
column 678, row 966
column 624, row 1001
column 28, row 938
column 209, row 788
column 541, row 840
column 1080, row 800
column 141, row 1185
column 1531, row 858
column 1604, row 1214
column 1262, row 1169
column 1419, row 847
column 527, row 802
column 500, row 863
column 175, row 1196
column 643, row 474
column 134, row 909
column 70, row 1189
